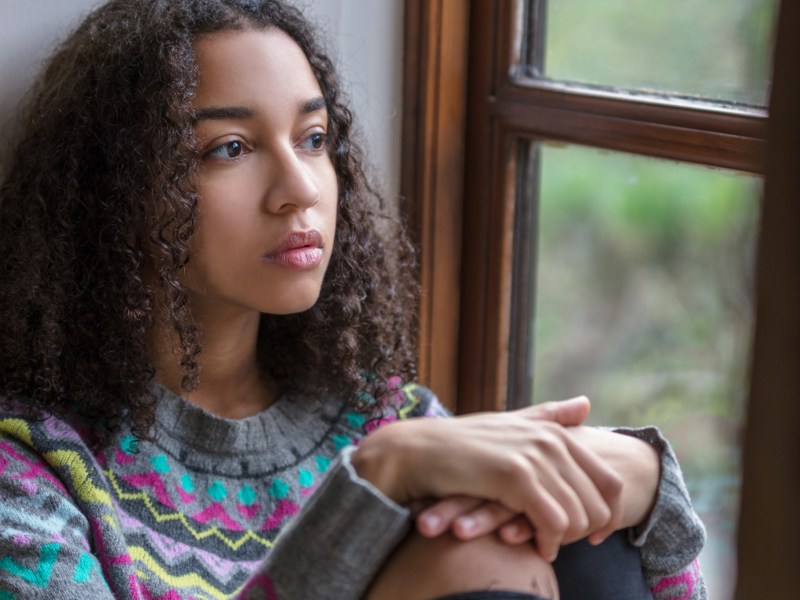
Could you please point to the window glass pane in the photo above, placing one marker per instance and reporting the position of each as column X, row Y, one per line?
column 644, row 303
column 717, row 49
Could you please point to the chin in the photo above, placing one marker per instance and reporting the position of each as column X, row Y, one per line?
column 296, row 304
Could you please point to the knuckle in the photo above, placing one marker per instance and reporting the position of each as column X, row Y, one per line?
column 614, row 484
column 579, row 525
column 515, row 468
column 601, row 517
column 559, row 523
column 549, row 441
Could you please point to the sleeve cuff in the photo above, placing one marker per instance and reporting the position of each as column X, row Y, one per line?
column 340, row 539
column 673, row 535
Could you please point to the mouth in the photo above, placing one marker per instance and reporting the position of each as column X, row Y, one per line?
column 298, row 250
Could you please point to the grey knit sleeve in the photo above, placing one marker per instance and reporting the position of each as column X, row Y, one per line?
column 336, row 545
column 671, row 538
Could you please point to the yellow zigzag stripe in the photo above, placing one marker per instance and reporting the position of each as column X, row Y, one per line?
column 176, row 516
column 79, row 474
column 17, row 428
column 69, row 459
column 189, row 580
column 233, row 544
column 408, row 390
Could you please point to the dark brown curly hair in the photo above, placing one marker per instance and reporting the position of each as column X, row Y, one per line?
column 99, row 183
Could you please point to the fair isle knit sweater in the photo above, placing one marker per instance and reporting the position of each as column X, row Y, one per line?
column 263, row 507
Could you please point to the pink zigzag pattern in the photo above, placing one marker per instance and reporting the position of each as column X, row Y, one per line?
column 186, row 497
column 172, row 549
column 151, row 480
column 106, row 560
column 284, row 510
column 216, row 511
column 134, row 588
column 122, row 458
column 248, row 512
column 687, row 579
column 37, row 469
column 374, row 424
column 170, row 595
column 260, row 583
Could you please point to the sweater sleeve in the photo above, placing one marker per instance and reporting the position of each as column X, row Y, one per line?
column 45, row 550
column 317, row 556
column 671, row 538
column 337, row 558
column 333, row 558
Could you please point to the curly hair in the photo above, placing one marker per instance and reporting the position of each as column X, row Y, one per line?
column 99, row 183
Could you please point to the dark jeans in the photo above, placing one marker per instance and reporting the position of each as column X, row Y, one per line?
column 610, row 571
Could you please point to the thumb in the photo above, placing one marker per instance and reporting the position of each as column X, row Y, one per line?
column 569, row 413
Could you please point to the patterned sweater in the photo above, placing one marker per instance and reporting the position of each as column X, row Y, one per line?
column 263, row 507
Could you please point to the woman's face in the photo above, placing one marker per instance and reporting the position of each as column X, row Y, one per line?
column 267, row 186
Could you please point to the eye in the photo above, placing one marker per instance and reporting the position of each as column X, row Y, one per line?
column 227, row 151
column 315, row 141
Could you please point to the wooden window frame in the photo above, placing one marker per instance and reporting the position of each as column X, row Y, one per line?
column 432, row 171
column 456, row 156
column 505, row 106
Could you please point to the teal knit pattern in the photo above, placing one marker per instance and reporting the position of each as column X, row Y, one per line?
column 265, row 507
column 192, row 513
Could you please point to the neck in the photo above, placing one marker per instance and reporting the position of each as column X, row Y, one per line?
column 230, row 384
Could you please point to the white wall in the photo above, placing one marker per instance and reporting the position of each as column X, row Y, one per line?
column 365, row 41
column 367, row 45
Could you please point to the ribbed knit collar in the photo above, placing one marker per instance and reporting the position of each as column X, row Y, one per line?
column 293, row 420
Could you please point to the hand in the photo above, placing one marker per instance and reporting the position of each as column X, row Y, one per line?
column 639, row 465
column 532, row 467
column 468, row 518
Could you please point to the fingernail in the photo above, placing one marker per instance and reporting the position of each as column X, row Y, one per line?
column 512, row 531
column 467, row 524
column 431, row 522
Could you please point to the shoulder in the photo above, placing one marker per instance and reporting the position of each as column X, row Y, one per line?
column 51, row 448
column 39, row 431
column 48, row 480
column 405, row 401
column 415, row 400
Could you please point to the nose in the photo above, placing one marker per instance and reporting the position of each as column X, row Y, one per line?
column 293, row 185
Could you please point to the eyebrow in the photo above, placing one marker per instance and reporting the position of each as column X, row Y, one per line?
column 231, row 113
column 313, row 105
column 223, row 113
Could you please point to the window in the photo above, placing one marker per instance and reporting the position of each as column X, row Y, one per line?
column 613, row 170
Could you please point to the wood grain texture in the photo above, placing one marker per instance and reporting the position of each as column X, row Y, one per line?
column 432, row 176
column 769, row 524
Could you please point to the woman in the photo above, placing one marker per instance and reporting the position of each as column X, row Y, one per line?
column 205, row 337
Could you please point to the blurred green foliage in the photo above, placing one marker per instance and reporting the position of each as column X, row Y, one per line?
column 716, row 48
column 644, row 292
column 644, row 303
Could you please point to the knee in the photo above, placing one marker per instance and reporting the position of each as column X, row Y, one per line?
column 423, row 568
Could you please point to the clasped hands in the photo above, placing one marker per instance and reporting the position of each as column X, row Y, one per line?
column 530, row 475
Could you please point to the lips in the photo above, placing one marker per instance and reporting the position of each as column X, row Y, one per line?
column 298, row 250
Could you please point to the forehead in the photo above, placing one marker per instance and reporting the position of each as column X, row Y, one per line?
column 252, row 67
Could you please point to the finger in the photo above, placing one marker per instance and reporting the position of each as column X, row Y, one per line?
column 439, row 517
column 574, row 492
column 517, row 531
column 568, row 413
column 545, row 513
column 485, row 519
column 604, row 513
column 556, row 477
